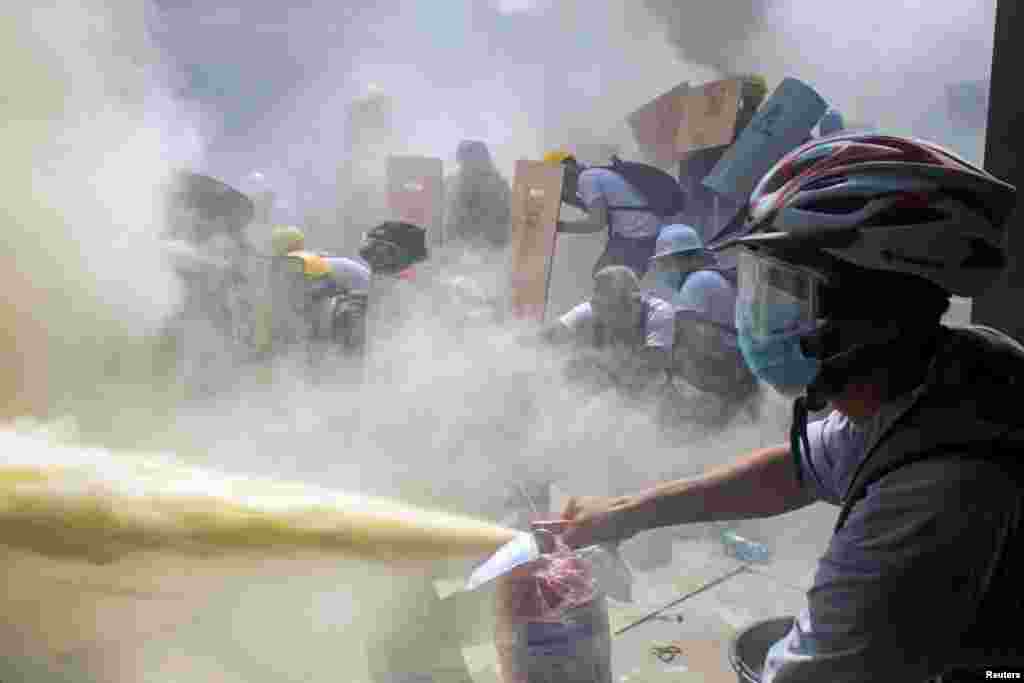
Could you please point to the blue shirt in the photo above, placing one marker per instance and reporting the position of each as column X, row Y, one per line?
column 606, row 185
column 709, row 294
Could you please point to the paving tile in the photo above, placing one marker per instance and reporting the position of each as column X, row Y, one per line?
column 632, row 659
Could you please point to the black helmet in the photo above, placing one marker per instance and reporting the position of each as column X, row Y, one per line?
column 394, row 246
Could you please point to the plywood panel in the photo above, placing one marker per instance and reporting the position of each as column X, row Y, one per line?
column 536, row 201
column 416, row 193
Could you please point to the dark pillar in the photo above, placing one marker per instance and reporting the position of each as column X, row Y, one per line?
column 1004, row 157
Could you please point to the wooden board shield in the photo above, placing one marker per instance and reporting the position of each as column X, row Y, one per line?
column 416, row 193
column 656, row 124
column 536, row 202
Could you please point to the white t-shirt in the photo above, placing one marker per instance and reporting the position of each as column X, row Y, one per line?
column 601, row 183
column 659, row 328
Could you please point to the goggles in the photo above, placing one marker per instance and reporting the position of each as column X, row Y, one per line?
column 777, row 298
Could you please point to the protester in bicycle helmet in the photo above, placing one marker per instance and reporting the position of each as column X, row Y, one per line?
column 855, row 243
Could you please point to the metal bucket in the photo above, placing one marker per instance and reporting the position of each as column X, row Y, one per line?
column 748, row 650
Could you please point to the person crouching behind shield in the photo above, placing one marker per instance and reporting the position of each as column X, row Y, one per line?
column 316, row 298
column 623, row 336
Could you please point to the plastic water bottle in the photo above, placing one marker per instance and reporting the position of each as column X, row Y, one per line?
column 744, row 549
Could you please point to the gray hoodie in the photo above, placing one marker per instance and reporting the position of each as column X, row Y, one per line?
column 922, row 573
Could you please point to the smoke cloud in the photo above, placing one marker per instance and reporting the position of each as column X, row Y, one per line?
column 452, row 410
column 880, row 64
column 710, row 34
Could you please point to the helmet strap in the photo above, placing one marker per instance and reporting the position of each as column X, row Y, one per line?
column 799, row 443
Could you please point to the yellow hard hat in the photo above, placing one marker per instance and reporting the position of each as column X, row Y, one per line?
column 286, row 238
column 757, row 85
column 313, row 266
column 557, row 156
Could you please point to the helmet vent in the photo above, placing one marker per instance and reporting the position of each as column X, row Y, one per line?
column 823, row 183
column 838, row 205
column 893, row 216
column 983, row 255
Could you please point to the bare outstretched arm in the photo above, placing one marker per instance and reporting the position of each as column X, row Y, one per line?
column 760, row 484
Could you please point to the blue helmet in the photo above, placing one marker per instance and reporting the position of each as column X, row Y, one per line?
column 677, row 239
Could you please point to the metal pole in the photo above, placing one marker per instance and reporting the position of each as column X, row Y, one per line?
column 710, row 584
column 1004, row 148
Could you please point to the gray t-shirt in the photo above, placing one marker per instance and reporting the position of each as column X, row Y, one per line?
column 899, row 582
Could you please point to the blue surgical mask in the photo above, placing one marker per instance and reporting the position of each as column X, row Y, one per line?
column 670, row 281
column 776, row 358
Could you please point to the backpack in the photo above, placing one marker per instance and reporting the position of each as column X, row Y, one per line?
column 665, row 198
column 410, row 239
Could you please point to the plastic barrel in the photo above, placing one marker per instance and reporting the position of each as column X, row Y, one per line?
column 748, row 650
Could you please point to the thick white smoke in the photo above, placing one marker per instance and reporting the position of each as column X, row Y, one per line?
column 451, row 415
column 880, row 64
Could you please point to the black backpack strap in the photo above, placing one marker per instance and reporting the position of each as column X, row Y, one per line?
column 614, row 168
column 631, row 208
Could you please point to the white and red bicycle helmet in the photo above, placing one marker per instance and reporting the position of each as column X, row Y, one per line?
column 888, row 203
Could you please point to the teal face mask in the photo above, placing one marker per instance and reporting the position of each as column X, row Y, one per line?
column 776, row 357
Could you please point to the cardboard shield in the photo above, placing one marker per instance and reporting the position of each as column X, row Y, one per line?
column 709, row 115
column 656, row 124
column 536, row 202
column 416, row 193
column 781, row 124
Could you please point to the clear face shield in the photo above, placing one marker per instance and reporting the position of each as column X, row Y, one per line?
column 777, row 304
column 780, row 298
